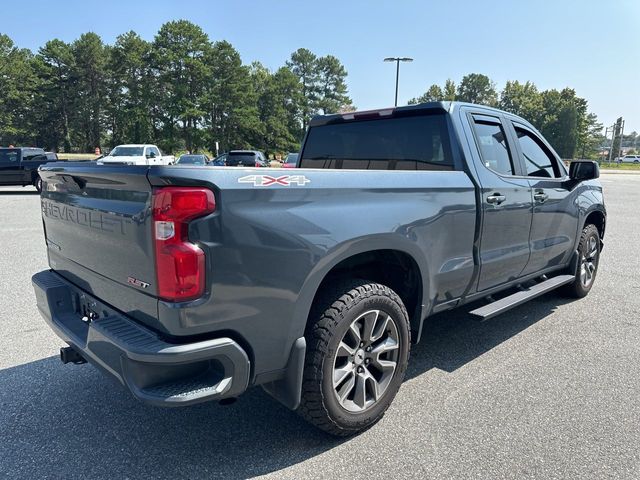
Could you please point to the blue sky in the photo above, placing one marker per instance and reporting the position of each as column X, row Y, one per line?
column 592, row 46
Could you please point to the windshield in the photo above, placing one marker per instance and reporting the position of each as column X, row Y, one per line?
column 191, row 160
column 127, row 152
column 9, row 156
column 291, row 158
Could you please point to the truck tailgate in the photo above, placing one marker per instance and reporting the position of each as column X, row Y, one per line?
column 98, row 232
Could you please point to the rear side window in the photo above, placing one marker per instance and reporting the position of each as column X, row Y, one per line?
column 538, row 161
column 493, row 147
column 9, row 157
column 400, row 143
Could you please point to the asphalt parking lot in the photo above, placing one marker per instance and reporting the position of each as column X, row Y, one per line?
column 548, row 390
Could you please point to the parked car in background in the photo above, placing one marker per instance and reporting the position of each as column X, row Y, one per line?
column 219, row 161
column 628, row 159
column 19, row 166
column 290, row 161
column 136, row 154
column 246, row 158
column 193, row 159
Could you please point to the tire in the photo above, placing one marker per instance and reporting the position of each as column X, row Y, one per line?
column 589, row 251
column 37, row 182
column 358, row 334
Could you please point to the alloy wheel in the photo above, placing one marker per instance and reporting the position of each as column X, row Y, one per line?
column 589, row 262
column 366, row 360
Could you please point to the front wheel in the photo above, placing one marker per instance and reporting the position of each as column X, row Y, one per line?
column 358, row 350
column 589, row 252
column 37, row 182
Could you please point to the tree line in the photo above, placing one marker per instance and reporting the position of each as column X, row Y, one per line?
column 179, row 91
column 183, row 91
column 560, row 115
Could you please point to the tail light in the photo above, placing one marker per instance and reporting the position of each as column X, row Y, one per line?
column 180, row 264
column 257, row 163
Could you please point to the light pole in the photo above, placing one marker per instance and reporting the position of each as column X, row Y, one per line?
column 398, row 60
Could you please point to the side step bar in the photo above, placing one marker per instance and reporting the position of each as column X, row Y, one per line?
column 518, row 298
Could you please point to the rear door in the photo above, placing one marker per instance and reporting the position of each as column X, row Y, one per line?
column 555, row 213
column 10, row 166
column 505, row 201
column 157, row 159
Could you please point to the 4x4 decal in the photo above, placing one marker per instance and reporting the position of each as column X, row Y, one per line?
column 268, row 180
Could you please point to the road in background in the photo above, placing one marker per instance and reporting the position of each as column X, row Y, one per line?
column 548, row 390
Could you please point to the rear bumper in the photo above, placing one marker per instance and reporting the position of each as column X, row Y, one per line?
column 156, row 372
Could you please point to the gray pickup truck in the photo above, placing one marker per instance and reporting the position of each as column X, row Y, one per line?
column 189, row 284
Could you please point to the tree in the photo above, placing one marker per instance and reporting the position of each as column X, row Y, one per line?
column 55, row 65
column 433, row 94
column 522, row 99
column 449, row 91
column 563, row 120
column 90, row 89
column 179, row 51
column 437, row 94
column 18, row 87
column 230, row 101
column 332, row 86
column 477, row 88
column 304, row 64
column 131, row 112
column 590, row 137
column 278, row 97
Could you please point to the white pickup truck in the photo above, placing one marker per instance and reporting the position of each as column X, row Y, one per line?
column 136, row 155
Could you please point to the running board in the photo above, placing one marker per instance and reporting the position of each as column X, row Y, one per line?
column 518, row 298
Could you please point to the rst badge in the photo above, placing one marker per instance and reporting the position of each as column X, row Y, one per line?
column 268, row 180
column 137, row 283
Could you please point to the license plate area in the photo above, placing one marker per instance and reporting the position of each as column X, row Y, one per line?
column 87, row 308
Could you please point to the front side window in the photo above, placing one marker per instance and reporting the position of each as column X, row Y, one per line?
column 538, row 161
column 33, row 154
column 494, row 150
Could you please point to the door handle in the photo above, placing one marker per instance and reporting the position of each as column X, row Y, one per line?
column 496, row 199
column 540, row 197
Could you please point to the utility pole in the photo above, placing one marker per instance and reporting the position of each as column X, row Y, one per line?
column 398, row 60
column 606, row 134
column 613, row 136
column 616, row 130
column 621, row 138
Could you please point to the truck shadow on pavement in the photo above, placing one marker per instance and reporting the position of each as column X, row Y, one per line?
column 69, row 421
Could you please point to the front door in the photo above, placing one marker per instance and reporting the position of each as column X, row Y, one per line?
column 506, row 204
column 555, row 215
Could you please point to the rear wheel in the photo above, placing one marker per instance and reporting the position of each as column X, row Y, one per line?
column 589, row 252
column 358, row 349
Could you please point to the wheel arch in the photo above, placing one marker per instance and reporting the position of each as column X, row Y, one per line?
column 406, row 273
column 598, row 218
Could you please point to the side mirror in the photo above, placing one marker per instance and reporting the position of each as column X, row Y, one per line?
column 583, row 170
